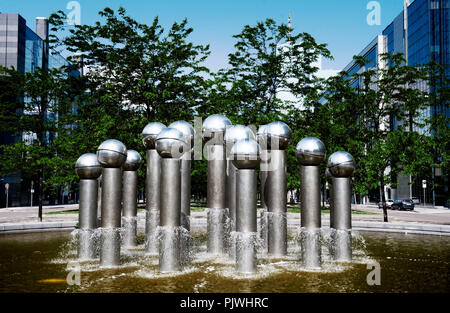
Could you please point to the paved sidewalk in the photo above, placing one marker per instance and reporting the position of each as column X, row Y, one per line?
column 440, row 216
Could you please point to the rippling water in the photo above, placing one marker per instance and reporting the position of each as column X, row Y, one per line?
column 40, row 262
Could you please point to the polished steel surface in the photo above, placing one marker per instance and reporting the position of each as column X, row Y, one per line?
column 133, row 162
column 245, row 154
column 88, row 167
column 111, row 153
column 111, row 197
column 186, row 129
column 246, row 201
column 216, row 181
column 341, row 164
column 279, row 135
column 170, row 192
column 330, row 197
column 185, row 193
column 150, row 133
column 216, row 123
column 310, row 197
column 88, row 204
column 153, row 200
column 170, row 143
column 129, row 193
column 275, row 191
column 310, row 151
column 342, row 193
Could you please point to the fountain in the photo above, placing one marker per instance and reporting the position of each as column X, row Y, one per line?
column 341, row 167
column 278, row 139
column 213, row 129
column 111, row 155
column 170, row 145
column 152, row 186
column 245, row 154
column 232, row 135
column 261, row 137
column 188, row 132
column 129, row 197
column 88, row 169
column 310, row 152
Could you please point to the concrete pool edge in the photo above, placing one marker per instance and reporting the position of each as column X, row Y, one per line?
column 406, row 228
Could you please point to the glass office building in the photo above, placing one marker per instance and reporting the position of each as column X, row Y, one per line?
column 23, row 49
column 421, row 33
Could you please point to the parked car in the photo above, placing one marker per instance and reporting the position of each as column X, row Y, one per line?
column 388, row 204
column 415, row 200
column 403, row 204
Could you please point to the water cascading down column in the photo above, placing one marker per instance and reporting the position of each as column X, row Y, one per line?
column 186, row 161
column 170, row 146
column 88, row 169
column 264, row 156
column 232, row 135
column 278, row 139
column 341, row 166
column 245, row 154
column 152, row 187
column 111, row 154
column 213, row 130
column 310, row 152
column 129, row 197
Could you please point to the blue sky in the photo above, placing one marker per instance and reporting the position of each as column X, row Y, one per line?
column 340, row 24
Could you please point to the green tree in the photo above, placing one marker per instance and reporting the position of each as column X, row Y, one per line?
column 30, row 112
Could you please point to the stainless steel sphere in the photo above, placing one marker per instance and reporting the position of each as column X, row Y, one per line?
column 245, row 154
column 112, row 153
column 133, row 162
column 187, row 130
column 341, row 164
column 87, row 166
column 236, row 133
column 310, row 151
column 170, row 143
column 150, row 133
column 278, row 135
column 216, row 123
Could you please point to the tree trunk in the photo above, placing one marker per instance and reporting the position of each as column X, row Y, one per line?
column 40, row 194
column 383, row 199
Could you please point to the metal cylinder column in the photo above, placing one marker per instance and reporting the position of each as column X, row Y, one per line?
column 88, row 169
column 310, row 152
column 170, row 145
column 275, row 189
column 341, row 167
column 169, row 255
column 129, row 198
column 213, row 131
column 152, row 187
column 111, row 154
column 246, row 158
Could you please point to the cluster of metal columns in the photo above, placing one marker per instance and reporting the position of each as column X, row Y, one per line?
column 168, row 207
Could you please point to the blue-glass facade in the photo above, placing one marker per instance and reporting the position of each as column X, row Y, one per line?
column 23, row 49
column 425, row 38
